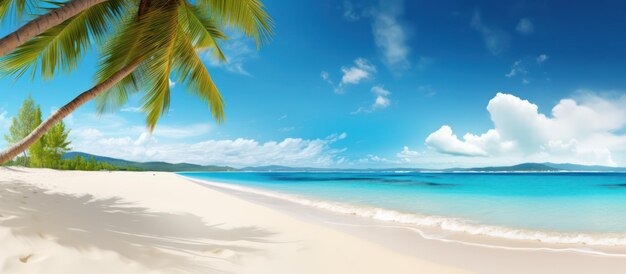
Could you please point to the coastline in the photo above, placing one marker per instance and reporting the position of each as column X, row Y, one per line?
column 153, row 222
column 476, row 253
column 579, row 242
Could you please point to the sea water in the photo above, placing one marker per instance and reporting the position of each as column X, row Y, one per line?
column 557, row 207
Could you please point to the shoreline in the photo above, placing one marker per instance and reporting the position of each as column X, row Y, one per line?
column 471, row 252
column 75, row 222
column 602, row 243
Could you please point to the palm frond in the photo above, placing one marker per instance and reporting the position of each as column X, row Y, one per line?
column 14, row 11
column 202, row 30
column 159, row 30
column 122, row 49
column 190, row 71
column 63, row 46
column 248, row 16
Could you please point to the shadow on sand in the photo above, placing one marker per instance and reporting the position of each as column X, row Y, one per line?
column 157, row 240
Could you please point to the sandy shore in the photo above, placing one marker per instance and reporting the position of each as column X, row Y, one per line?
column 151, row 222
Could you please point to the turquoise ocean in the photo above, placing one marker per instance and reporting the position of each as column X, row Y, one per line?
column 555, row 207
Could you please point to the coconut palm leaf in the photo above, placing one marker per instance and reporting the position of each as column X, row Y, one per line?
column 144, row 43
column 203, row 31
column 190, row 71
column 14, row 11
column 63, row 46
column 245, row 15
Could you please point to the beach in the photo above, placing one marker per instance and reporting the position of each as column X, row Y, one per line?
column 156, row 222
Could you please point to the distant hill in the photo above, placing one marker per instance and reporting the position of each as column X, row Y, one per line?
column 575, row 167
column 277, row 168
column 521, row 167
column 163, row 166
column 152, row 166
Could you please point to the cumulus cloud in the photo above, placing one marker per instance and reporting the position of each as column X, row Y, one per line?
column 580, row 130
column 525, row 26
column 446, row 142
column 238, row 152
column 407, row 155
column 361, row 70
column 496, row 40
column 113, row 136
column 380, row 102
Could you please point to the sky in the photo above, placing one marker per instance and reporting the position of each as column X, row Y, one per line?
column 360, row 84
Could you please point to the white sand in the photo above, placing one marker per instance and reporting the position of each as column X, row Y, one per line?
column 150, row 222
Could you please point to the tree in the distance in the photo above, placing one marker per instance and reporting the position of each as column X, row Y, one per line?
column 47, row 151
column 143, row 44
column 56, row 144
column 27, row 119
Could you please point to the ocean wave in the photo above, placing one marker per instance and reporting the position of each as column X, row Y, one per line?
column 444, row 223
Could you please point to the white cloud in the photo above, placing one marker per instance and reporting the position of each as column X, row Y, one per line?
column 525, row 26
column 516, row 69
column 167, row 131
column 172, row 83
column 495, row 39
column 5, row 123
column 352, row 75
column 353, row 11
column 88, row 133
column 370, row 158
column 362, row 69
column 446, row 142
column 542, row 58
column 581, row 130
column 380, row 102
column 521, row 68
column 390, row 35
column 5, row 120
column 238, row 50
column 131, row 109
column 326, row 77
column 238, row 152
column 407, row 155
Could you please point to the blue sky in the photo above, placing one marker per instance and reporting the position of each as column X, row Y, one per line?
column 385, row 84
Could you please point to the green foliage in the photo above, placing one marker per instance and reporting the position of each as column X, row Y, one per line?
column 163, row 37
column 80, row 163
column 24, row 123
column 48, row 151
column 14, row 11
column 37, row 152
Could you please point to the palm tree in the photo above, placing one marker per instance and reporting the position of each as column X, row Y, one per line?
column 19, row 8
column 152, row 41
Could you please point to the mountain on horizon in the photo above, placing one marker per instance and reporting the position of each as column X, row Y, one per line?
column 164, row 166
column 151, row 166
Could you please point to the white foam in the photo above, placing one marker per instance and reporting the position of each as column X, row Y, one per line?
column 449, row 224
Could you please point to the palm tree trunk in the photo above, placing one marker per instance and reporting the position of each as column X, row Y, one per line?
column 64, row 111
column 43, row 23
